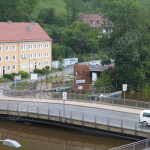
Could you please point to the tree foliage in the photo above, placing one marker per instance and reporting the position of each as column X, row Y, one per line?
column 17, row 10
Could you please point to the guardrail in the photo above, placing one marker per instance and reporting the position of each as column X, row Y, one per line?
column 140, row 145
column 16, row 111
column 40, row 94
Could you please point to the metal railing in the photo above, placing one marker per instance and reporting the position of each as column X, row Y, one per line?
column 40, row 94
column 72, row 116
column 140, row 145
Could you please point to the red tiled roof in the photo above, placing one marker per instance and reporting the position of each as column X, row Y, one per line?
column 17, row 32
column 95, row 20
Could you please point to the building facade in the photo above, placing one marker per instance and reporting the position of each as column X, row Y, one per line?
column 23, row 47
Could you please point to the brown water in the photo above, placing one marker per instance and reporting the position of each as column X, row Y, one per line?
column 40, row 137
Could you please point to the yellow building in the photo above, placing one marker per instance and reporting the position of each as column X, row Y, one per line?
column 23, row 47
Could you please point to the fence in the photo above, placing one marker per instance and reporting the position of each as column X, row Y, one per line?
column 140, row 145
column 40, row 94
column 15, row 111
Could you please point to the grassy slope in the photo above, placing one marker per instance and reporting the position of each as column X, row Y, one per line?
column 58, row 5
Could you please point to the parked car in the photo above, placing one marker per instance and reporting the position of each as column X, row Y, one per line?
column 145, row 117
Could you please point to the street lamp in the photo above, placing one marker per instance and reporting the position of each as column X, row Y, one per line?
column 11, row 143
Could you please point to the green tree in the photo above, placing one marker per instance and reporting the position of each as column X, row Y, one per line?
column 103, row 81
column 73, row 7
column 17, row 10
column 128, row 44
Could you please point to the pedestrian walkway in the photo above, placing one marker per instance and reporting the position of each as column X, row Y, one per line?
column 77, row 103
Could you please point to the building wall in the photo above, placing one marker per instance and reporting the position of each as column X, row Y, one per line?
column 21, row 55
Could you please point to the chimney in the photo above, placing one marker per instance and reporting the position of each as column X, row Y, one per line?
column 9, row 22
column 29, row 28
column 32, row 23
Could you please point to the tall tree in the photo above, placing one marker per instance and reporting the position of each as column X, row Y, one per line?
column 17, row 10
column 73, row 7
column 126, row 44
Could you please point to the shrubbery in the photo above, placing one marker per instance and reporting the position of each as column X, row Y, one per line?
column 8, row 76
column 23, row 74
column 38, row 71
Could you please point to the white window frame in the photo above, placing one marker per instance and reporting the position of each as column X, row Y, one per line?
column 9, row 69
column 47, row 63
column 47, row 45
column 35, row 46
column 14, row 47
column 8, row 58
column 25, row 66
column 15, row 57
column 23, row 47
column 41, row 46
column 0, row 58
column 30, row 56
column 46, row 54
column 40, row 63
column 13, row 67
column 31, row 65
column 35, row 55
column 7, row 47
column 0, row 48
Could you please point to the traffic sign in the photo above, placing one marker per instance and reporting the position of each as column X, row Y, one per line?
column 15, row 82
column 80, row 81
column 15, row 78
column 64, row 95
column 124, row 87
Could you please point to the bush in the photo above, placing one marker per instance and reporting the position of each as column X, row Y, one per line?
column 14, row 74
column 47, row 67
column 8, row 76
column 23, row 74
column 38, row 71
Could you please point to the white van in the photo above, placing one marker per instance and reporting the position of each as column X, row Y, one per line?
column 145, row 117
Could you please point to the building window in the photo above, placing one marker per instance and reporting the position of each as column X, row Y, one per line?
column 46, row 63
column 35, row 55
column 47, row 54
column 46, row 45
column 7, row 48
column 30, row 56
column 23, row 47
column 0, row 58
column 0, row 48
column 23, row 66
column 14, row 67
column 35, row 46
column 40, row 55
column 23, row 56
column 7, row 58
column 8, row 68
column 31, row 65
column 30, row 46
column 14, row 47
column 40, row 46
column 14, row 57
column 40, row 63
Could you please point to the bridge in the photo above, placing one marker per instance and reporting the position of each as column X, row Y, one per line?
column 109, row 118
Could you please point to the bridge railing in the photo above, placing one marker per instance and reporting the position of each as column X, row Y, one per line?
column 14, row 111
column 40, row 94
column 140, row 145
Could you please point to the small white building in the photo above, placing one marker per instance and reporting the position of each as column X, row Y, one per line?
column 66, row 62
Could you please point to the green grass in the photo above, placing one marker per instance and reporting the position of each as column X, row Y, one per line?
column 58, row 5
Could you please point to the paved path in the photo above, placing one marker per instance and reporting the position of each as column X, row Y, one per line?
column 68, row 102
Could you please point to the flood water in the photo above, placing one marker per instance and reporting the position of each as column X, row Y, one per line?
column 42, row 137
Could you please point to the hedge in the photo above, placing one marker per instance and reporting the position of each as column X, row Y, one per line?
column 23, row 74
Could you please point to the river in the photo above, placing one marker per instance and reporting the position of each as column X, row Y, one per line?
column 42, row 137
